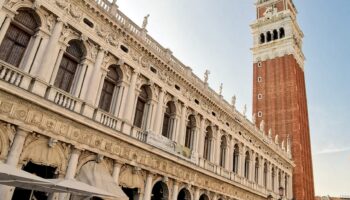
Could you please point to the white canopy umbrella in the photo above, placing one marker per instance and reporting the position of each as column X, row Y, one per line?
column 79, row 188
column 11, row 176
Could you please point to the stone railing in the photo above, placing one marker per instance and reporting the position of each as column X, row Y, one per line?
column 64, row 99
column 107, row 119
column 14, row 76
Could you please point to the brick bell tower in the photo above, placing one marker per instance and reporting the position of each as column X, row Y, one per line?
column 279, row 96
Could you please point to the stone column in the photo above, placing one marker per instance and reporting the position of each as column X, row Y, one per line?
column 116, row 172
column 29, row 59
column 4, row 27
column 148, row 187
column 119, row 98
column 269, row 177
column 252, row 167
column 157, row 122
column 241, row 161
column 80, row 79
column 51, row 51
column 92, row 84
column 182, row 131
column 130, row 99
column 228, row 155
column 57, row 66
column 217, row 148
column 6, row 192
column 71, row 170
column 196, row 194
column 215, row 197
column 290, row 187
column 201, row 136
column 261, row 172
column 175, row 190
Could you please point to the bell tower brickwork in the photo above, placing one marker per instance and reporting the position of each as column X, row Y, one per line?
column 279, row 96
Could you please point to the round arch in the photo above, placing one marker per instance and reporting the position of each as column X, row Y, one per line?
column 184, row 194
column 160, row 191
column 204, row 197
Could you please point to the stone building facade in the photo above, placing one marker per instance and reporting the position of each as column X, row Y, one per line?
column 279, row 96
column 83, row 88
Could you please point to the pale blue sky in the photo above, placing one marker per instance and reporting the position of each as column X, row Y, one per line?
column 215, row 35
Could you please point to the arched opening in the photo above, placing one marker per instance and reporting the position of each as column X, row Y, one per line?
column 160, row 191
column 141, row 110
column 132, row 193
column 184, row 194
column 268, row 36
column 169, row 119
column 207, row 143
column 223, row 147
column 71, row 59
column 15, row 43
column 282, row 33
column 42, row 171
column 204, row 197
column 265, row 175
column 190, row 131
column 262, row 38
column 256, row 174
column 235, row 158
column 247, row 164
column 275, row 34
column 109, row 91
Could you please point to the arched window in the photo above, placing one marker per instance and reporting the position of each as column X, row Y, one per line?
column 207, row 143
column 268, row 36
column 246, row 165
column 18, row 35
column 160, row 191
column 69, row 65
column 190, row 131
column 141, row 107
column 275, row 34
column 169, row 119
column 282, row 33
column 109, row 89
column 273, row 178
column 262, row 38
column 235, row 158
column 223, row 147
column 265, row 175
column 256, row 174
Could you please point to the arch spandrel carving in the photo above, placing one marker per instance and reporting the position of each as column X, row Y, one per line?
column 7, row 133
column 131, row 178
column 38, row 151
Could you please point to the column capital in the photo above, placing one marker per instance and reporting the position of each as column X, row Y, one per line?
column 22, row 131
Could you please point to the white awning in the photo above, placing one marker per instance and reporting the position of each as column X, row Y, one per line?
column 11, row 176
column 97, row 175
column 79, row 188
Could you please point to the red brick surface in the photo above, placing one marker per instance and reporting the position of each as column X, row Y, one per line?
column 284, row 108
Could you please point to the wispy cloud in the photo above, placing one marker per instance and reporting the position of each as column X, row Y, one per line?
column 332, row 150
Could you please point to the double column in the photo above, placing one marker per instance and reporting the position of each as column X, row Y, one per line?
column 130, row 98
column 71, row 170
column 157, row 126
column 94, row 80
column 6, row 192
column 47, row 64
column 181, row 135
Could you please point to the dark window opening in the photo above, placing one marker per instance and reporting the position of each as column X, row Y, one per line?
column 89, row 23
column 124, row 48
column 213, row 113
column 196, row 101
column 268, row 37
column 177, row 87
column 262, row 38
column 282, row 33
column 154, row 70
column 275, row 35
column 42, row 171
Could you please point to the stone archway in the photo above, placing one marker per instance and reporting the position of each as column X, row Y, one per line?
column 160, row 191
column 204, row 197
column 184, row 194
